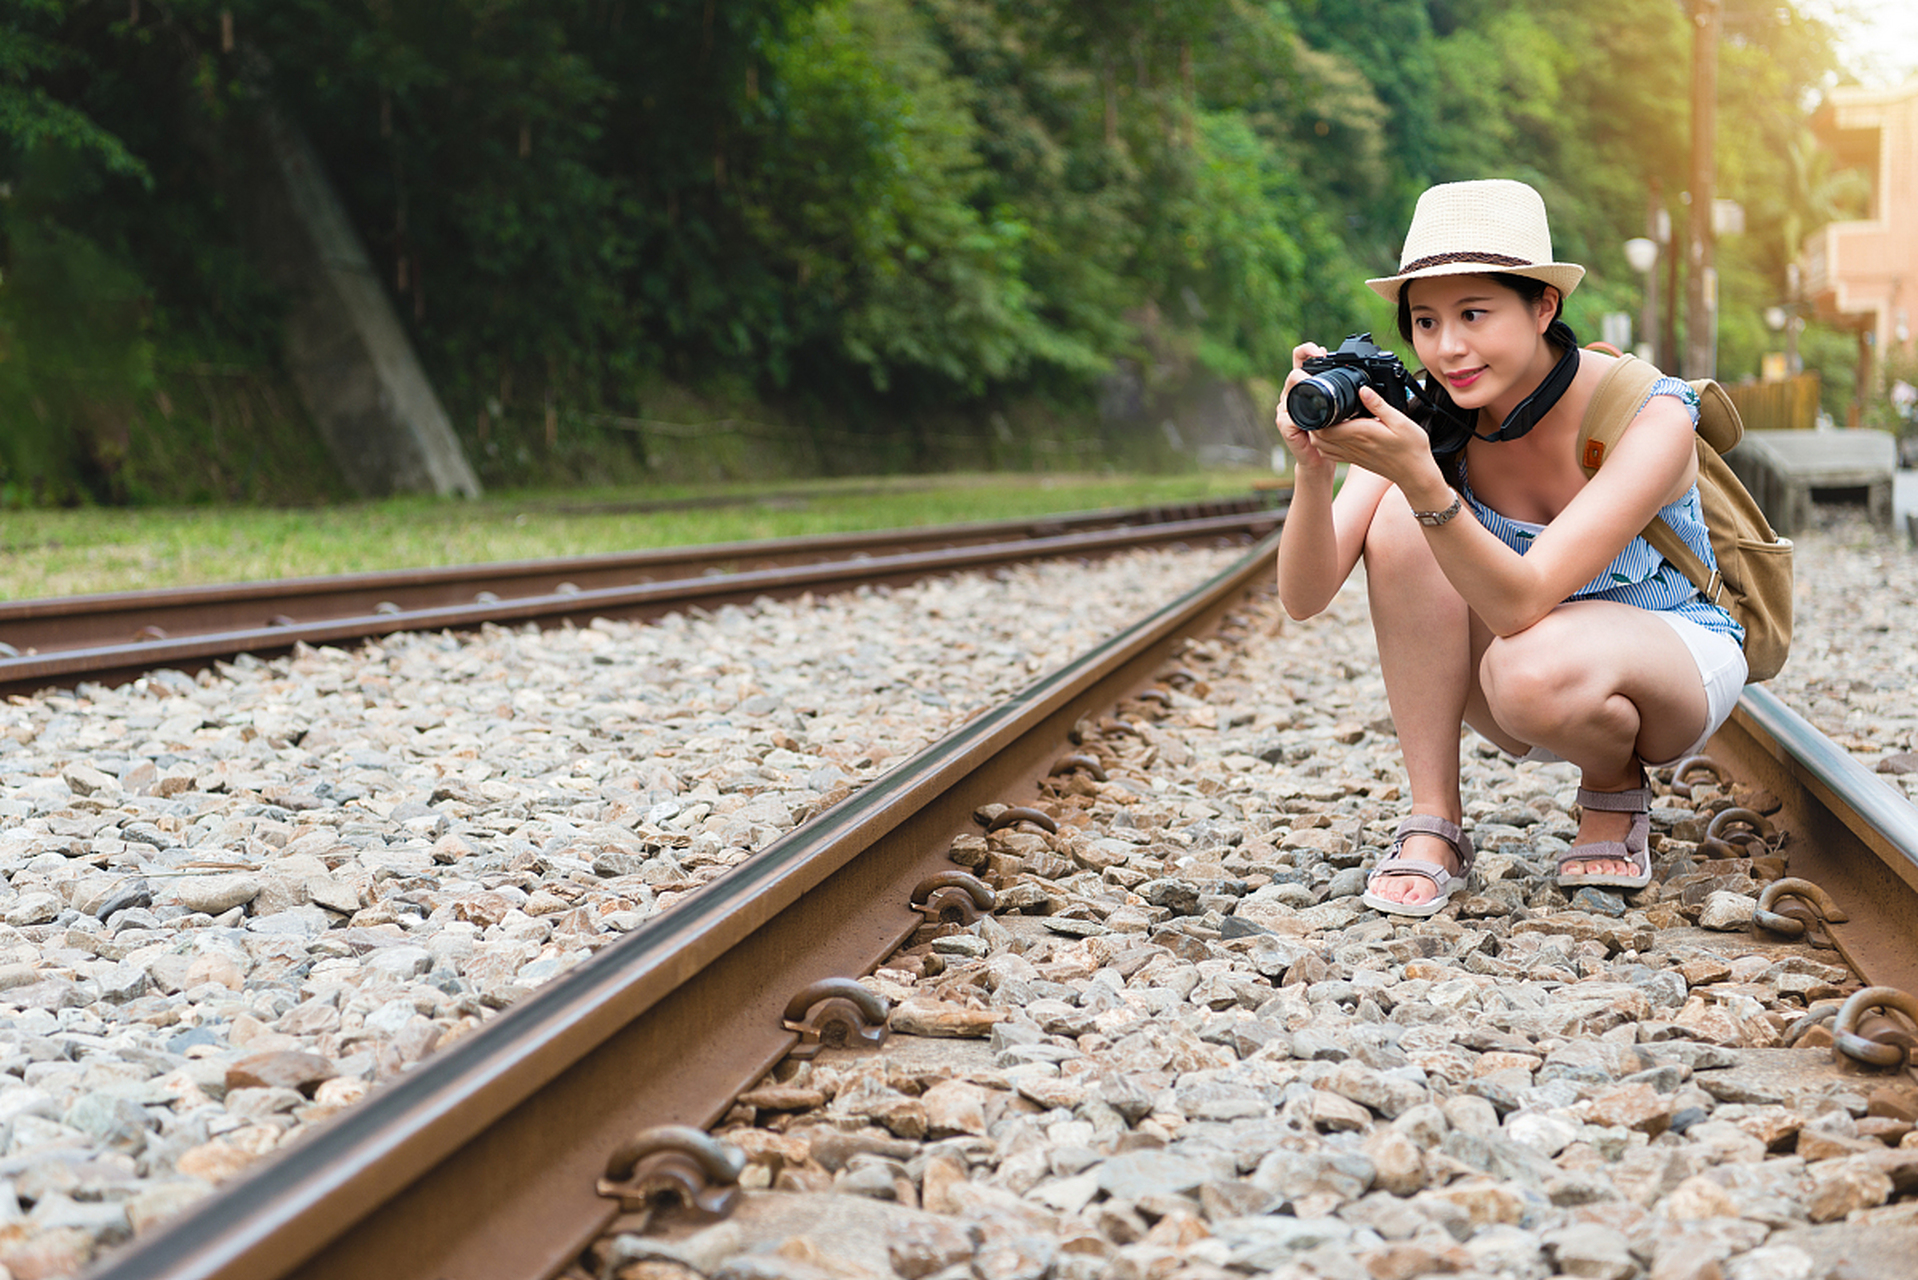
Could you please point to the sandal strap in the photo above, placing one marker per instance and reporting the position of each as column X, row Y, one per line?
column 1607, row 851
column 1411, row 867
column 1432, row 825
column 1599, row 851
column 1636, row 800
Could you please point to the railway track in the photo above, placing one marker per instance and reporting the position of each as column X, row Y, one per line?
column 118, row 635
column 579, row 1110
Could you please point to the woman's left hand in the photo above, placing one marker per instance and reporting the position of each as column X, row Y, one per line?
column 1388, row 443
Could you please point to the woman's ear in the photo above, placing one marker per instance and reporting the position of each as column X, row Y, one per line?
column 1546, row 309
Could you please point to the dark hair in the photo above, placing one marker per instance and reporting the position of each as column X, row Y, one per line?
column 1558, row 333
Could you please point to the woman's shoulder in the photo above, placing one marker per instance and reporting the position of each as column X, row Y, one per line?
column 1594, row 367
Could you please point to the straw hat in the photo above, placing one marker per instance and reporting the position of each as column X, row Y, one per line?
column 1471, row 228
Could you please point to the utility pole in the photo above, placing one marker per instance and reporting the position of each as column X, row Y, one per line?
column 1654, row 213
column 1701, row 281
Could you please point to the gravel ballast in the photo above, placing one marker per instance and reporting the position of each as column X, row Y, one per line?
column 235, row 903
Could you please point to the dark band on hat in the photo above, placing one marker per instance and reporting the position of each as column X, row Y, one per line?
column 1447, row 259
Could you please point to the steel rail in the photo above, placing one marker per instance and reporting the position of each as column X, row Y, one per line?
column 482, row 1162
column 1851, row 833
column 119, row 662
column 90, row 621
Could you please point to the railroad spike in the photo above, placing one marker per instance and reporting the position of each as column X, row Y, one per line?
column 1876, row 1039
column 837, row 1013
column 1723, row 841
column 1682, row 773
column 677, row 1164
column 953, row 897
column 1024, row 813
column 1078, row 760
column 1811, row 906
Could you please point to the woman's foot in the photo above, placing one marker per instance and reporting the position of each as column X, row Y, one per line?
column 1612, row 847
column 1406, row 887
column 1597, row 826
column 1429, row 861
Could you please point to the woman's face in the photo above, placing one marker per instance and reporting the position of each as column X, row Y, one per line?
column 1483, row 341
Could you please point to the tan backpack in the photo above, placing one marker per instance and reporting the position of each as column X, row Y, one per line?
column 1753, row 582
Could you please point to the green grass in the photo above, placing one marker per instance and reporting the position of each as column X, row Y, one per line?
column 76, row 552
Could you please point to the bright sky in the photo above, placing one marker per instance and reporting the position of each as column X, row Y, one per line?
column 1877, row 39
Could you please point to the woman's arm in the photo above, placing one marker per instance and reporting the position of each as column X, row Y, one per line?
column 1653, row 463
column 1323, row 535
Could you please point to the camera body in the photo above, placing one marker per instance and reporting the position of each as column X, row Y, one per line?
column 1330, row 392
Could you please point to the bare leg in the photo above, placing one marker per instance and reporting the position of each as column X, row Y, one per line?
column 1423, row 629
column 1605, row 686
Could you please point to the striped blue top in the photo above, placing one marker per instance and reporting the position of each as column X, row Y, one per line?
column 1639, row 576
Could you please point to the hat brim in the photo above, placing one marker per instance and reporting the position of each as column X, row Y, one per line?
column 1564, row 276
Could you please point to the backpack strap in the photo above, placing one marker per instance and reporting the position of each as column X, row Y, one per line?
column 1621, row 394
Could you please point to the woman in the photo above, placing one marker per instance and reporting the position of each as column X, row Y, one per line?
column 1508, row 591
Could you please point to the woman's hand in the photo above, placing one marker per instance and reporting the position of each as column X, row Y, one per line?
column 1388, row 444
column 1299, row 442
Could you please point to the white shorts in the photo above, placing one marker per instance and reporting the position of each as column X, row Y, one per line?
column 1721, row 665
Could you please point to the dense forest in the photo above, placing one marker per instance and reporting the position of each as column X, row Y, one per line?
column 905, row 232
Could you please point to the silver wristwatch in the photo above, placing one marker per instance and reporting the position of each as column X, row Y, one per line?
column 1433, row 519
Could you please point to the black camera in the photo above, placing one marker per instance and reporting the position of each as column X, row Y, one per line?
column 1331, row 393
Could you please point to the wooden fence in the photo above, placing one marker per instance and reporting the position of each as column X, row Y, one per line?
column 1791, row 405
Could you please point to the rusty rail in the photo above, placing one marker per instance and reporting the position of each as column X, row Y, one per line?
column 1851, row 834
column 483, row 1162
column 92, row 621
column 123, row 660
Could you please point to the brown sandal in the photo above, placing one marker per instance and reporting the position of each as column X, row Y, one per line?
column 1444, row 881
column 1635, row 848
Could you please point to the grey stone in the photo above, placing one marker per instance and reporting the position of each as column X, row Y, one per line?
column 1726, row 911
column 1588, row 1250
column 1143, row 1173
column 213, row 894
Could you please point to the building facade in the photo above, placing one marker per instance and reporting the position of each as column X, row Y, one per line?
column 1864, row 274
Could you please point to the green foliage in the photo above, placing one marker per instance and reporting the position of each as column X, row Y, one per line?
column 875, row 227
column 31, row 116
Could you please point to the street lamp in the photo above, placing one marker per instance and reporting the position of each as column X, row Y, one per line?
column 1642, row 254
column 1784, row 318
column 1776, row 318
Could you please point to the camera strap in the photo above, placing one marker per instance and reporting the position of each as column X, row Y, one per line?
column 1517, row 423
column 1535, row 406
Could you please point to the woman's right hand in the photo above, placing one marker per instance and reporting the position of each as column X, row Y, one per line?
column 1304, row 452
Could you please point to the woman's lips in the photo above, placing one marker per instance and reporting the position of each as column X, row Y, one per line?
column 1465, row 377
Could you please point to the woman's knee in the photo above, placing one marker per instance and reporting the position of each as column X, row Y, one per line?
column 1528, row 676
column 1537, row 681
column 1395, row 544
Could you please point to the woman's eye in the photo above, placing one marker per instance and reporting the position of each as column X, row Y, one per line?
column 1470, row 315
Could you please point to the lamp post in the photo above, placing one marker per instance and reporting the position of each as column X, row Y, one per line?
column 1642, row 255
column 1778, row 320
column 1794, row 322
column 1701, row 280
column 1786, row 318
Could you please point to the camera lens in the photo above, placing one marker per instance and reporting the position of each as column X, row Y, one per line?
column 1326, row 398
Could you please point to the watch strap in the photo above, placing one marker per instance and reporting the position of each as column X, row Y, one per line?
column 1433, row 519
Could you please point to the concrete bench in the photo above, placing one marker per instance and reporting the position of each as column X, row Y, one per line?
column 1783, row 468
